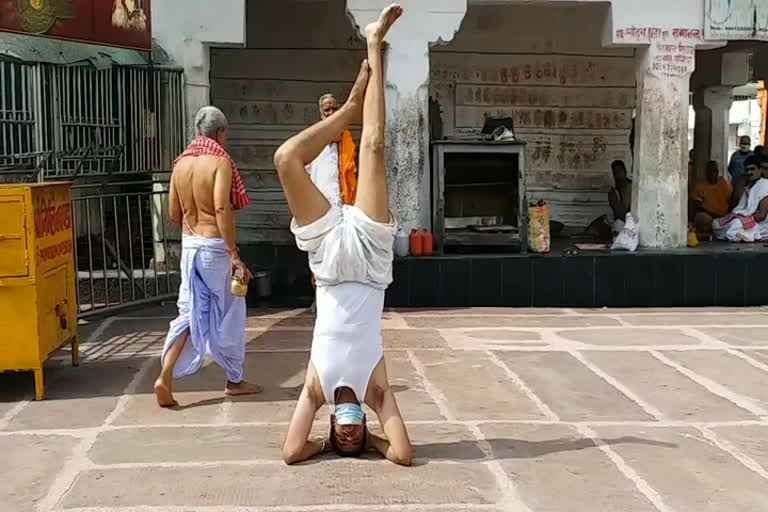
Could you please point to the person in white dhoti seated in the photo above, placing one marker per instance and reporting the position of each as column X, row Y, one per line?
column 205, row 187
column 748, row 221
column 350, row 253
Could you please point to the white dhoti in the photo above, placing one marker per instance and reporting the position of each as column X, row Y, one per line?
column 214, row 317
column 740, row 225
column 345, row 245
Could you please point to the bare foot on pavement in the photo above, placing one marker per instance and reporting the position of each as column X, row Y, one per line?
column 241, row 388
column 164, row 394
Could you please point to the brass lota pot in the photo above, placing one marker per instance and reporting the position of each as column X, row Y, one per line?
column 239, row 286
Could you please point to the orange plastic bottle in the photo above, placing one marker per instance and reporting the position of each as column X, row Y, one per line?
column 427, row 243
column 417, row 243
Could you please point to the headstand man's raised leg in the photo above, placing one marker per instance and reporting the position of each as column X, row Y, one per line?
column 350, row 253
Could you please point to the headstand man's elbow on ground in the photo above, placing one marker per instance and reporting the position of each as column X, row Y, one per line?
column 350, row 253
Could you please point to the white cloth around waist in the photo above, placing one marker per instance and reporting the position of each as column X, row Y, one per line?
column 345, row 245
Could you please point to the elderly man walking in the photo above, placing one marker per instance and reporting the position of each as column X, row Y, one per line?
column 205, row 188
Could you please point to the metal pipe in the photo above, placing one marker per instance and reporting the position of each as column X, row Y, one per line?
column 140, row 302
column 74, row 246
column 130, row 246
column 104, row 249
column 12, row 145
column 154, row 246
column 90, row 252
column 141, row 241
column 117, row 245
column 165, row 245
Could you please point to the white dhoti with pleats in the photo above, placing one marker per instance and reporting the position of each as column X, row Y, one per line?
column 214, row 317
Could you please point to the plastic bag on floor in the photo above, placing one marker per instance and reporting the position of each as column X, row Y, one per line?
column 629, row 236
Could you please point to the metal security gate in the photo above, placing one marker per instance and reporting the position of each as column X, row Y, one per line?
column 114, row 133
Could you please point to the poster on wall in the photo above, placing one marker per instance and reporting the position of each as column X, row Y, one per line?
column 735, row 19
column 122, row 23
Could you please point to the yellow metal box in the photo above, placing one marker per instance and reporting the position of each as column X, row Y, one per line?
column 38, row 302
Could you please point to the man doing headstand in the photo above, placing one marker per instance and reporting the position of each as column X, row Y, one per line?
column 350, row 253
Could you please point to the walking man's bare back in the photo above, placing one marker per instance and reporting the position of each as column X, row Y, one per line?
column 195, row 180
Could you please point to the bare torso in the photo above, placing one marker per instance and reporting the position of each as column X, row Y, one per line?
column 194, row 179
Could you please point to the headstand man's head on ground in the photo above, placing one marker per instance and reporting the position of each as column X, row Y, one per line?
column 348, row 436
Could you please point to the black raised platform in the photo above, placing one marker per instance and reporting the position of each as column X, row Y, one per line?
column 709, row 275
column 713, row 274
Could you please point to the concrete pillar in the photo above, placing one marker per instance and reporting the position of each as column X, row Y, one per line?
column 406, row 77
column 719, row 100
column 659, row 191
column 702, row 134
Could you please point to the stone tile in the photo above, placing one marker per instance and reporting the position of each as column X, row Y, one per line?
column 739, row 336
column 279, row 340
column 306, row 322
column 78, row 397
column 475, row 388
column 502, row 335
column 624, row 336
column 15, row 386
column 413, row 339
column 444, row 442
column 281, row 375
column 671, row 392
column 696, row 320
column 457, row 321
column 30, row 463
column 188, row 444
column 651, row 311
column 759, row 355
column 731, row 371
column 323, row 482
column 555, row 469
column 570, row 389
column 200, row 397
column 751, row 440
column 125, row 339
column 478, row 311
column 689, row 472
column 414, row 402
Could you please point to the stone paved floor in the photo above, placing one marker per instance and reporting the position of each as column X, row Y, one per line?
column 510, row 410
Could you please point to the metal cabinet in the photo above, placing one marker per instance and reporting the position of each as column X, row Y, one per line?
column 38, row 302
column 477, row 150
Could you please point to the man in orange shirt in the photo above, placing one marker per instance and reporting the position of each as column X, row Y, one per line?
column 711, row 199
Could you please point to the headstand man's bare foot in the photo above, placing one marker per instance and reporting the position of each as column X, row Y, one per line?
column 377, row 31
column 241, row 388
column 164, row 394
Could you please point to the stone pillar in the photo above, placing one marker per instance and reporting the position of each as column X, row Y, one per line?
column 659, row 191
column 702, row 134
column 719, row 100
column 406, row 76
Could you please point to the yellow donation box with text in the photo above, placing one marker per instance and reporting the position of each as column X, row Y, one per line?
column 38, row 302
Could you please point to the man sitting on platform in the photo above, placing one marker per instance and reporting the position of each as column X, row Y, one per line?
column 747, row 222
column 711, row 199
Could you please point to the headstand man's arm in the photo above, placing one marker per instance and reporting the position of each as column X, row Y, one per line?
column 397, row 446
column 298, row 447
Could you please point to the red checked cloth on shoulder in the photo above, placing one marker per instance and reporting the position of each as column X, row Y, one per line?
column 206, row 146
